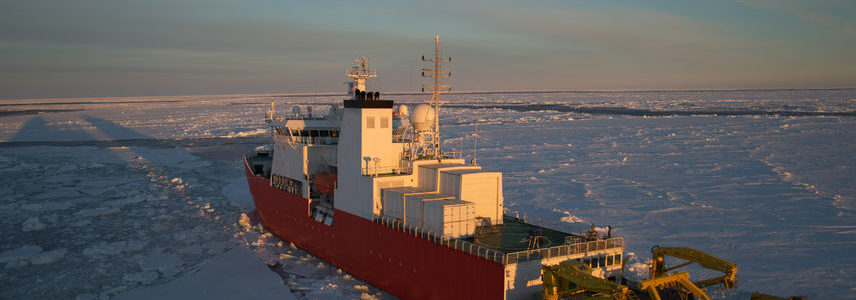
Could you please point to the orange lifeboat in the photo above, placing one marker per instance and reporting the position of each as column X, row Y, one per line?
column 325, row 182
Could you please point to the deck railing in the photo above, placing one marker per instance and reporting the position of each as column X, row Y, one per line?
column 373, row 169
column 564, row 250
column 450, row 242
column 501, row 257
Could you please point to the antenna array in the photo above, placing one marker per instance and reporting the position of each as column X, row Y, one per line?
column 436, row 89
column 360, row 72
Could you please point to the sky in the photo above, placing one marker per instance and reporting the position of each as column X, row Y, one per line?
column 86, row 48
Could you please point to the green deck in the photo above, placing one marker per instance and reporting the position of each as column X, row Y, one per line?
column 513, row 235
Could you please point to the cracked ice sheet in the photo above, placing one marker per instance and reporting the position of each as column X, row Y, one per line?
column 770, row 197
column 773, row 194
column 99, row 211
column 126, row 223
column 236, row 274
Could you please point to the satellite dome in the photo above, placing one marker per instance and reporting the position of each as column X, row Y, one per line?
column 422, row 117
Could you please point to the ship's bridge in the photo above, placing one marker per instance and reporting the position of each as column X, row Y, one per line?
column 307, row 131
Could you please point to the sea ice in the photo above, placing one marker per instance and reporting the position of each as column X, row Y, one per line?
column 237, row 274
column 22, row 253
column 773, row 194
column 47, row 206
column 33, row 224
column 165, row 263
column 144, row 277
column 105, row 249
column 97, row 212
column 48, row 257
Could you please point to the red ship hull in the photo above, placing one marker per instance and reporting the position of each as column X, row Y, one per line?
column 400, row 263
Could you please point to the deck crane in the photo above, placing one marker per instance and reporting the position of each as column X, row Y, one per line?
column 573, row 280
column 658, row 266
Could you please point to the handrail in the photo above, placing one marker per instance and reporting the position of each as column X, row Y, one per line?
column 497, row 256
column 563, row 250
column 458, row 244
column 375, row 170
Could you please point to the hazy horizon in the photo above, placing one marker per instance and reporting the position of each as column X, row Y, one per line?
column 418, row 93
column 59, row 49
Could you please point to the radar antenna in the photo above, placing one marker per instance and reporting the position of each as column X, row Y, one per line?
column 436, row 89
column 360, row 72
column 476, row 138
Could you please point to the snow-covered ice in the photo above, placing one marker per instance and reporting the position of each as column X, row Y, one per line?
column 142, row 197
column 236, row 274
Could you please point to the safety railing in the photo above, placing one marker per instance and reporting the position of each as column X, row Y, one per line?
column 501, row 257
column 373, row 169
column 551, row 224
column 458, row 244
column 564, row 250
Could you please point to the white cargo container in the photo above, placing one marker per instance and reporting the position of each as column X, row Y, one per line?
column 392, row 200
column 454, row 218
column 429, row 174
column 484, row 189
column 409, row 200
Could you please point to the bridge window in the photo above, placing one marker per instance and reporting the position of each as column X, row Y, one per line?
column 313, row 133
column 334, row 133
column 324, row 133
column 370, row 122
column 609, row 260
column 384, row 122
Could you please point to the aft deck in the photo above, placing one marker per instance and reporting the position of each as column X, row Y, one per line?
column 515, row 235
column 509, row 243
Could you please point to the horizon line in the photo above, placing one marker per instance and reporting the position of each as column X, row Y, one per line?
column 464, row 92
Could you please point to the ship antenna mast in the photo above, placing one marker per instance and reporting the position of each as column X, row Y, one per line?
column 436, row 89
column 271, row 112
column 476, row 138
column 360, row 72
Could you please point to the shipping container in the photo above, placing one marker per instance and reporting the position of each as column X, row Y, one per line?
column 393, row 201
column 409, row 200
column 429, row 174
column 454, row 218
column 484, row 189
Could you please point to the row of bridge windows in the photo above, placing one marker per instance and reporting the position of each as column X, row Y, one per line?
column 309, row 132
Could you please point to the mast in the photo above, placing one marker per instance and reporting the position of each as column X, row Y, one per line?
column 436, row 89
column 360, row 72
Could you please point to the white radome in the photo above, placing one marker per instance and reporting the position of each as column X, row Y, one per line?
column 422, row 117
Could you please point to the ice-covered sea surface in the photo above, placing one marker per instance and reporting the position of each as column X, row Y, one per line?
column 132, row 198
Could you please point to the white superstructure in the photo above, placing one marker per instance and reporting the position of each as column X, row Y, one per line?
column 384, row 166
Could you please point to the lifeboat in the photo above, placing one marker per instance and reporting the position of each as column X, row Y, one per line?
column 325, row 182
